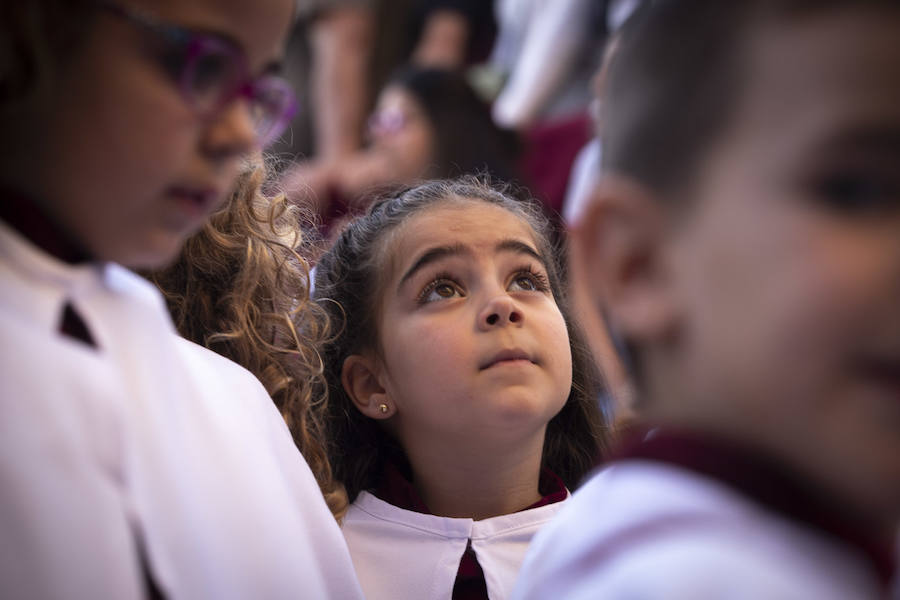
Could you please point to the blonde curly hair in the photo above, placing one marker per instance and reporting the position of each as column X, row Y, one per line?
column 240, row 287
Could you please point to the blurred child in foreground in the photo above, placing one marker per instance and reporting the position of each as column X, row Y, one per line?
column 745, row 240
column 134, row 464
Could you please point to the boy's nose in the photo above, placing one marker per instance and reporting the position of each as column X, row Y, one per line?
column 231, row 131
column 500, row 310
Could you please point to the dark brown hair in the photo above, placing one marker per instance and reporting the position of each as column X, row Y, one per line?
column 348, row 281
column 677, row 78
column 240, row 287
column 466, row 139
column 36, row 39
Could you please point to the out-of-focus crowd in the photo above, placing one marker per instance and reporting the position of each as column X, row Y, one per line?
column 397, row 91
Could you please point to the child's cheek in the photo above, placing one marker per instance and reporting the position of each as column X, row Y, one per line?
column 559, row 355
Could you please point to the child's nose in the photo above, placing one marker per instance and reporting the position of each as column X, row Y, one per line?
column 499, row 311
column 231, row 131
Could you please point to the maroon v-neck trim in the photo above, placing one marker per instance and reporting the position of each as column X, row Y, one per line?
column 396, row 489
column 22, row 213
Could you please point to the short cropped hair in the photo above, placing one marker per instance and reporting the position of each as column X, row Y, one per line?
column 674, row 84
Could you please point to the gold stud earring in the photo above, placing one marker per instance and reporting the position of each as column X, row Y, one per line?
column 383, row 408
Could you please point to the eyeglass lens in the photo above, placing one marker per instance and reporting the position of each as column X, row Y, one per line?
column 214, row 74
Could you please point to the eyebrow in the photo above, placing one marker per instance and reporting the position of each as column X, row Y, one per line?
column 435, row 254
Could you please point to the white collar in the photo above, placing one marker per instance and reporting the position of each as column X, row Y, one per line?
column 456, row 527
column 37, row 284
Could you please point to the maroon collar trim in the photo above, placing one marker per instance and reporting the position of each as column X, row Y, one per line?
column 763, row 480
column 22, row 213
column 396, row 489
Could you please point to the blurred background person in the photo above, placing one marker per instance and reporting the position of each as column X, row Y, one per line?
column 545, row 55
column 344, row 51
column 428, row 123
column 327, row 60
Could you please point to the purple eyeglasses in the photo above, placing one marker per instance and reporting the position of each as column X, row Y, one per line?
column 212, row 71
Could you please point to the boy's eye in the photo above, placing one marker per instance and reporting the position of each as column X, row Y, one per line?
column 852, row 193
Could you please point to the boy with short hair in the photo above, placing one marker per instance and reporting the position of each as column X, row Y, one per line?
column 746, row 243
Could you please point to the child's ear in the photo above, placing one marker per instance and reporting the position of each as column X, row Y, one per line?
column 618, row 255
column 359, row 376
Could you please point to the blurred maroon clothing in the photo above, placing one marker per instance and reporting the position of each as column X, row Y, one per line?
column 550, row 151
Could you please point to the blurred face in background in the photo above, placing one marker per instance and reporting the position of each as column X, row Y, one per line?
column 402, row 134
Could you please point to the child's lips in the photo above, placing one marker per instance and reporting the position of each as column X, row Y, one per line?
column 508, row 356
column 197, row 200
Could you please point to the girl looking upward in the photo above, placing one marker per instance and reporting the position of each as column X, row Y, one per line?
column 462, row 401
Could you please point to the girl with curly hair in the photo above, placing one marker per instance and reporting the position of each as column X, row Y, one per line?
column 240, row 287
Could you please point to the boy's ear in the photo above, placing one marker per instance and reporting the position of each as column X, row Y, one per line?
column 618, row 255
column 359, row 376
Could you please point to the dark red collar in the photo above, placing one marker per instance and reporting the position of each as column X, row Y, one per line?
column 764, row 480
column 22, row 213
column 395, row 488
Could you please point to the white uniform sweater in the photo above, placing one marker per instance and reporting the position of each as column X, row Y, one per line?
column 655, row 529
column 400, row 553
column 147, row 455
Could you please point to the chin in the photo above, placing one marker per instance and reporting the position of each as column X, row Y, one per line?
column 155, row 254
column 523, row 410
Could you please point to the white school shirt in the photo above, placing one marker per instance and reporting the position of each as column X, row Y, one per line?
column 148, row 446
column 403, row 554
column 644, row 529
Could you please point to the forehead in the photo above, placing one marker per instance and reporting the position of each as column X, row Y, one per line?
column 812, row 78
column 259, row 27
column 473, row 223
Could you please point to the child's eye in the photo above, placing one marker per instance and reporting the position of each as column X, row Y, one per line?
column 859, row 193
column 439, row 289
column 527, row 280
